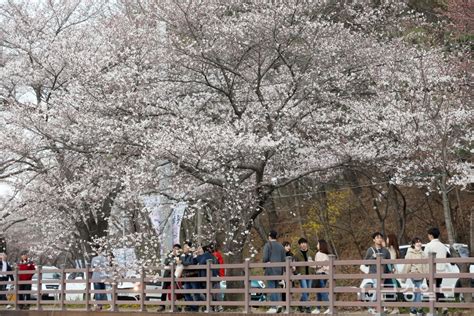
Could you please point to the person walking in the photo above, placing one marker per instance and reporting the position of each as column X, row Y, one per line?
column 321, row 255
column 415, row 252
column 371, row 254
column 304, row 254
column 273, row 251
column 4, row 267
column 25, row 265
column 440, row 251
column 99, row 265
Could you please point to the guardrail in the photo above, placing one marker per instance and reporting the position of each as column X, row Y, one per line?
column 343, row 288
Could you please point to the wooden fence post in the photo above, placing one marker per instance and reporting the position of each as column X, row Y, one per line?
column 332, row 284
column 208, row 285
column 247, row 285
column 38, row 289
column 16, row 285
column 142, row 290
column 379, row 282
column 288, row 273
column 114, row 296
column 172, row 286
column 432, row 281
column 88, row 289
column 62, row 287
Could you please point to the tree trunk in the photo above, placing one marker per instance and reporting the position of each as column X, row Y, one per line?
column 447, row 210
column 235, row 256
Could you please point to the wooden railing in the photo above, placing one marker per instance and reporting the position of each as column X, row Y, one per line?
column 343, row 288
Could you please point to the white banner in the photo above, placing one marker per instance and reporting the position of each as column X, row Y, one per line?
column 166, row 219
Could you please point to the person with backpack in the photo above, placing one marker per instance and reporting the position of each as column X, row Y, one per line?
column 371, row 254
column 273, row 251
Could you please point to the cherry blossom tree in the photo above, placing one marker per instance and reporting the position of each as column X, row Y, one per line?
column 241, row 100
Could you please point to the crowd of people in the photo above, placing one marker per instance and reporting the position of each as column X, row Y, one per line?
column 25, row 264
column 389, row 249
column 187, row 255
column 386, row 247
column 273, row 251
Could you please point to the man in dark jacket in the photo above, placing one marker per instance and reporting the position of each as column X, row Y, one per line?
column 189, row 258
column 273, row 251
column 4, row 267
column 304, row 254
column 203, row 255
column 372, row 252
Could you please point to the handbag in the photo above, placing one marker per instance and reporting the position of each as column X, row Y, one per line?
column 178, row 271
column 364, row 268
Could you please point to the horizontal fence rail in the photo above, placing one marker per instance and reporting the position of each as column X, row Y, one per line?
column 242, row 288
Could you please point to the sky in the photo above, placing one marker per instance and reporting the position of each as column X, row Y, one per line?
column 5, row 189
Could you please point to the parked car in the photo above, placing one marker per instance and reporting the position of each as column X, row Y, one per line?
column 133, row 288
column 254, row 285
column 52, row 284
column 447, row 285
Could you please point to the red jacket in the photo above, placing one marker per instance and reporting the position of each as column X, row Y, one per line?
column 23, row 266
column 220, row 260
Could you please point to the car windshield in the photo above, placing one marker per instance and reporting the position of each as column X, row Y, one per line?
column 48, row 276
column 463, row 251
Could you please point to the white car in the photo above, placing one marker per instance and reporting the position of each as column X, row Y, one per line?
column 132, row 290
column 447, row 286
column 51, row 282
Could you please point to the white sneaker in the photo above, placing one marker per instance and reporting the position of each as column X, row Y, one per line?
column 272, row 310
column 316, row 311
column 395, row 311
column 327, row 311
column 372, row 311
